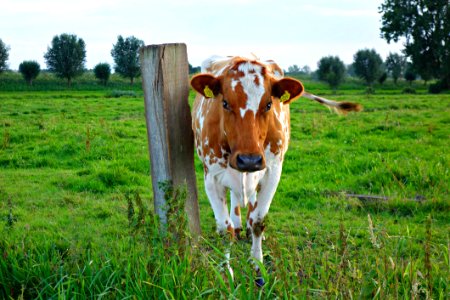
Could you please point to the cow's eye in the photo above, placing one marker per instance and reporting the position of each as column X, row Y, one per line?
column 226, row 105
column 268, row 106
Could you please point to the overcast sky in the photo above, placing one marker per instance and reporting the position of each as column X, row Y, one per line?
column 287, row 31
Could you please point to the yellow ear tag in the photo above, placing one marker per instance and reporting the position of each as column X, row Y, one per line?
column 286, row 96
column 208, row 92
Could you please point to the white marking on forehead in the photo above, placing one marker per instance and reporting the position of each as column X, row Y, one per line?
column 253, row 91
column 234, row 82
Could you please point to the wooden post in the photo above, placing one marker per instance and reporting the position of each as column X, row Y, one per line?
column 165, row 81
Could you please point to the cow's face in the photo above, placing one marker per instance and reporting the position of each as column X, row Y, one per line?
column 248, row 95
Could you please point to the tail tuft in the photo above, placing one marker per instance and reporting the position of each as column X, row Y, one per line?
column 345, row 107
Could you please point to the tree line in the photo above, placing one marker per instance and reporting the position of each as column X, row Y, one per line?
column 66, row 58
column 367, row 65
column 424, row 27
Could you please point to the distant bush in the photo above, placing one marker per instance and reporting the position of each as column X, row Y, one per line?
column 102, row 71
column 29, row 70
column 382, row 78
column 410, row 74
column 409, row 90
column 435, row 88
column 118, row 94
column 370, row 90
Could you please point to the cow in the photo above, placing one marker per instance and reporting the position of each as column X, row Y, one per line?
column 241, row 125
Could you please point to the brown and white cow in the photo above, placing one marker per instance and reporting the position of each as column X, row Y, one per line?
column 241, row 127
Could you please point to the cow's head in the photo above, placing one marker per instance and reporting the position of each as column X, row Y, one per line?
column 249, row 94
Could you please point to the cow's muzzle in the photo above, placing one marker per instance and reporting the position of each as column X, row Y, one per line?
column 249, row 162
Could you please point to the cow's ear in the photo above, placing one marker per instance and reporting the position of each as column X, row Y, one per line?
column 206, row 84
column 287, row 89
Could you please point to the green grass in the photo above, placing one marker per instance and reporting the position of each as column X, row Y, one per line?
column 72, row 226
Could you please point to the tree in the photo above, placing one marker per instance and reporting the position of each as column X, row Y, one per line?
column 367, row 64
column 126, row 57
column 4, row 55
column 66, row 56
column 395, row 64
column 102, row 71
column 410, row 74
column 305, row 70
column 425, row 26
column 30, row 70
column 331, row 70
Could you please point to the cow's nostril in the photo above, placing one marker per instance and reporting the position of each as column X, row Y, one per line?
column 249, row 162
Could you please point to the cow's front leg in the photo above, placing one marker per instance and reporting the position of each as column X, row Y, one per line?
column 258, row 211
column 216, row 193
column 217, row 197
column 235, row 212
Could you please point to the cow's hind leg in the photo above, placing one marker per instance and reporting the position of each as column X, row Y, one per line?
column 217, row 197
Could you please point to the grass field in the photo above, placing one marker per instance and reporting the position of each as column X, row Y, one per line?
column 76, row 210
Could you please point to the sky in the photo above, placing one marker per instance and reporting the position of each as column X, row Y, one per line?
column 287, row 31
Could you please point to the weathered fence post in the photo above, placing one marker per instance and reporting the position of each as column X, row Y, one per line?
column 165, row 81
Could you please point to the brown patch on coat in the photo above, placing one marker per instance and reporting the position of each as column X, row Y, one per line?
column 258, row 228
column 256, row 80
column 230, row 231
column 237, row 211
column 251, row 208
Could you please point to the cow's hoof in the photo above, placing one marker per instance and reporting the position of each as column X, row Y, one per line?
column 237, row 234
column 260, row 282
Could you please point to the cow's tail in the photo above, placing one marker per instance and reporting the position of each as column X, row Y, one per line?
column 339, row 107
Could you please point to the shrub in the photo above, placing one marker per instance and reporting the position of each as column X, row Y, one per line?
column 435, row 88
column 370, row 90
column 102, row 72
column 29, row 70
column 410, row 74
column 118, row 94
column 409, row 90
column 382, row 78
